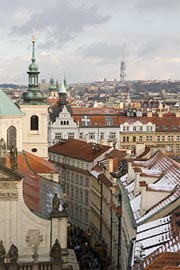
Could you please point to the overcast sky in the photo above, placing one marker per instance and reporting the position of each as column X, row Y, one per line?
column 84, row 39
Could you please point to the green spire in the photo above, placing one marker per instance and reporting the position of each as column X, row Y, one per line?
column 52, row 86
column 33, row 50
column 33, row 95
column 33, row 66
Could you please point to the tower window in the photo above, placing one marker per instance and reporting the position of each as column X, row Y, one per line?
column 11, row 137
column 34, row 122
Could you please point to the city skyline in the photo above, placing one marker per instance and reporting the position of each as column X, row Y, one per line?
column 85, row 40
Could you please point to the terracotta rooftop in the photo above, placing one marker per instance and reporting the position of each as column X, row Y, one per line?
column 94, row 111
column 166, row 259
column 39, row 165
column 79, row 149
column 168, row 122
column 115, row 153
column 97, row 117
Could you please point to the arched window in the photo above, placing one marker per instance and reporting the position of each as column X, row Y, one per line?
column 34, row 122
column 11, row 137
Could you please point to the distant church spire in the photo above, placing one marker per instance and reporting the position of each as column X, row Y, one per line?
column 62, row 93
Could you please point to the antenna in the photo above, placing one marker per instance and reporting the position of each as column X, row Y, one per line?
column 123, row 67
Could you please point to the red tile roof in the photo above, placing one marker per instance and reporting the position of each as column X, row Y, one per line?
column 165, row 259
column 97, row 116
column 39, row 165
column 131, row 120
column 29, row 166
column 93, row 111
column 169, row 122
column 79, row 149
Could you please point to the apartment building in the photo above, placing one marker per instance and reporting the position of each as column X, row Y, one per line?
column 74, row 160
column 157, row 131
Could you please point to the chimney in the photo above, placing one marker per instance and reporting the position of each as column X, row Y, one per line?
column 149, row 114
column 137, row 171
column 131, row 174
column 110, row 165
column 140, row 148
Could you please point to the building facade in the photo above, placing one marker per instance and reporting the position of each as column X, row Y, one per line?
column 74, row 160
column 111, row 127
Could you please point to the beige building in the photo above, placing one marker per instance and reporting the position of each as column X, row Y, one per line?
column 157, row 131
column 93, row 193
column 105, row 216
column 74, row 160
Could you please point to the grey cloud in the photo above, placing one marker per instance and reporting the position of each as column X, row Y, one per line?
column 102, row 51
column 62, row 22
column 158, row 48
column 157, row 5
column 34, row 5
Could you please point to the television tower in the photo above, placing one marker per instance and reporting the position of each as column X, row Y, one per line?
column 123, row 67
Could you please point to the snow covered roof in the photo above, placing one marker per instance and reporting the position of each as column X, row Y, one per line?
column 157, row 237
column 167, row 180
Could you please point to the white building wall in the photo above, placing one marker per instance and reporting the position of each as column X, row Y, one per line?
column 15, row 121
column 35, row 138
column 19, row 226
column 81, row 133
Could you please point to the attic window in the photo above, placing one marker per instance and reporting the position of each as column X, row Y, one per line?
column 109, row 120
column 86, row 121
column 164, row 127
column 34, row 150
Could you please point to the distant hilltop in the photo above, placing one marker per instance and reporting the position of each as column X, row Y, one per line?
column 12, row 86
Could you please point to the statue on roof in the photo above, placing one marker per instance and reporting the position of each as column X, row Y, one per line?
column 13, row 157
column 2, row 252
column 3, row 150
column 13, row 253
column 55, row 204
column 55, row 253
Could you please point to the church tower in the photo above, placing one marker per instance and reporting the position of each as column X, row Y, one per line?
column 34, row 107
column 62, row 94
column 53, row 89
